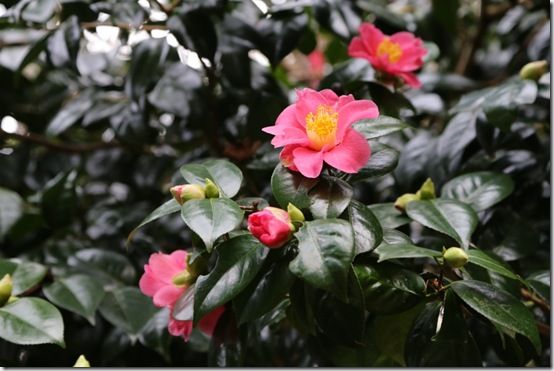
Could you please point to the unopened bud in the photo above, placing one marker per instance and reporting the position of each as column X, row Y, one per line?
column 6, row 286
column 403, row 201
column 533, row 70
column 296, row 216
column 427, row 190
column 82, row 362
column 183, row 279
column 187, row 192
column 211, row 189
column 455, row 257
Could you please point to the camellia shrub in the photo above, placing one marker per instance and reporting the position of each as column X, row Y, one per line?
column 275, row 183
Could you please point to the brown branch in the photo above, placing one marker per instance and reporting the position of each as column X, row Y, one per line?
column 468, row 52
column 528, row 295
column 58, row 146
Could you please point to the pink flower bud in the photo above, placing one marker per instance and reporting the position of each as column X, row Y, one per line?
column 206, row 324
column 272, row 226
column 185, row 192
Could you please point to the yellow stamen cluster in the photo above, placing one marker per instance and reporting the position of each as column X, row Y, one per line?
column 321, row 127
column 391, row 49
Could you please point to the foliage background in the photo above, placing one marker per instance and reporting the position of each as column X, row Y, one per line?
column 103, row 101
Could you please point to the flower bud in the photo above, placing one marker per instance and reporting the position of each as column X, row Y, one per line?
column 427, row 190
column 455, row 257
column 403, row 201
column 295, row 214
column 211, row 189
column 272, row 226
column 6, row 286
column 533, row 70
column 187, row 192
column 82, row 362
column 183, row 279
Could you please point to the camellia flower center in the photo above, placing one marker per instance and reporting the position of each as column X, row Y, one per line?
column 391, row 49
column 321, row 127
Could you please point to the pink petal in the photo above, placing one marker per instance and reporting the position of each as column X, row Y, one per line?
column 180, row 328
column 357, row 49
column 410, row 79
column 287, row 158
column 351, row 155
column 168, row 295
column 371, row 37
column 355, row 111
column 309, row 163
column 148, row 283
column 208, row 323
column 164, row 267
column 290, row 135
column 308, row 101
column 179, row 258
column 329, row 95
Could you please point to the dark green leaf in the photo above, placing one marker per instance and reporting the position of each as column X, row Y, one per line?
column 72, row 112
column 26, row 276
column 329, row 198
column 480, row 190
column 388, row 215
column 78, row 293
column 450, row 217
column 154, row 334
column 499, row 307
column 146, row 60
column 211, row 218
column 490, row 263
column 394, row 237
column 383, row 160
column 63, row 45
column 11, row 210
column 167, row 208
column 59, row 199
column 378, row 127
column 389, row 103
column 239, row 260
column 325, row 251
column 368, row 233
column 29, row 321
column 195, row 30
column 540, row 283
column 290, row 186
column 183, row 310
column 403, row 251
column 106, row 266
column 223, row 173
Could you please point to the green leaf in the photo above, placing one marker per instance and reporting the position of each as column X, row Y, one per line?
column 368, row 233
column 325, row 251
column 450, row 217
column 540, row 283
column 71, row 113
column 378, row 127
column 78, row 293
column 290, row 186
column 147, row 59
column 212, row 218
column 26, row 276
column 383, row 160
column 183, row 310
column 226, row 175
column 59, row 200
column 29, row 321
column 11, row 210
column 485, row 260
column 394, row 237
column 167, row 208
column 329, row 198
column 499, row 307
column 388, row 215
column 480, row 190
column 128, row 309
column 155, row 336
column 341, row 322
column 388, row 288
column 108, row 267
column 403, row 251
column 239, row 261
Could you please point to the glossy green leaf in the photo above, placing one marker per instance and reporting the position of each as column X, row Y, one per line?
column 394, row 237
column 26, row 276
column 211, row 218
column 404, row 251
column 389, row 288
column 11, row 210
column 80, row 294
column 490, row 263
column 128, row 309
column 59, row 199
column 325, row 251
column 499, row 307
column 167, row 208
column 183, row 309
column 240, row 259
column 70, row 114
column 450, row 217
column 378, row 127
column 108, row 267
column 383, row 160
column 29, row 321
column 540, row 283
column 154, row 334
column 339, row 321
column 388, row 215
column 329, row 198
column 226, row 175
column 368, row 233
column 290, row 186
column 480, row 190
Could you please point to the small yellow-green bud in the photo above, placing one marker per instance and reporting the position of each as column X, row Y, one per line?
column 187, row 192
column 183, row 279
column 211, row 189
column 12, row 299
column 403, row 201
column 455, row 257
column 82, row 362
column 533, row 70
column 295, row 214
column 6, row 286
column 427, row 190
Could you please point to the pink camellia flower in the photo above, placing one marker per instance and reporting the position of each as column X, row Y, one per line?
column 206, row 324
column 317, row 128
column 272, row 226
column 398, row 55
column 160, row 274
